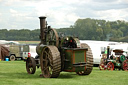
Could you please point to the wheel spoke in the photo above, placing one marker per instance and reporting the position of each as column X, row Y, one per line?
column 49, row 58
column 110, row 66
column 50, row 62
column 47, row 53
column 46, row 68
column 46, row 71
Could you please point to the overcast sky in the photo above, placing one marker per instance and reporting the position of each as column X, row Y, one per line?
column 23, row 14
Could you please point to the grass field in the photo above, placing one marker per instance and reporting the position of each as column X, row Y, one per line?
column 14, row 73
column 29, row 42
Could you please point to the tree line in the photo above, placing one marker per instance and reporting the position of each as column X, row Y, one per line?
column 20, row 35
column 93, row 29
column 84, row 29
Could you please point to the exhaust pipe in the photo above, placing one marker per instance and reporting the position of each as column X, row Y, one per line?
column 108, row 51
column 42, row 27
column 42, row 33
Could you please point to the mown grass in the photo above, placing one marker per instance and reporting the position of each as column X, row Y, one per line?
column 14, row 73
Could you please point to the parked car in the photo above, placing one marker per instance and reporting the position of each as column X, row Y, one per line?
column 30, row 53
column 22, row 52
column 16, row 51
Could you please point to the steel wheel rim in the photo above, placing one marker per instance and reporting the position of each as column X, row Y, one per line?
column 101, row 66
column 47, row 63
column 50, row 62
column 110, row 66
column 29, row 66
column 125, row 65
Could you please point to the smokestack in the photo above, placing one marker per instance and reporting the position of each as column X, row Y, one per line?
column 108, row 50
column 42, row 27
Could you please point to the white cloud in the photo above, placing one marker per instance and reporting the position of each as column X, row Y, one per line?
column 0, row 17
column 9, row 2
column 13, row 11
column 113, row 14
column 57, row 13
column 60, row 13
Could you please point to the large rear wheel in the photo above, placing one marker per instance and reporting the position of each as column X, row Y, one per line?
column 50, row 62
column 125, row 65
column 89, row 58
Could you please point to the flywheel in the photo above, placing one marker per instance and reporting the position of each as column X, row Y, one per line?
column 50, row 62
column 52, row 38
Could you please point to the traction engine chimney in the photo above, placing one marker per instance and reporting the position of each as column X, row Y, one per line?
column 108, row 51
column 42, row 28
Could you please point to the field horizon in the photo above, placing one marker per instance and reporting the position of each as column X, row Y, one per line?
column 28, row 42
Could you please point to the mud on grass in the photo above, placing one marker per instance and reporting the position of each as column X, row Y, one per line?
column 14, row 73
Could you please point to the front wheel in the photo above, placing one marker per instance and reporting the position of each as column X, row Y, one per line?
column 110, row 66
column 102, row 66
column 30, row 65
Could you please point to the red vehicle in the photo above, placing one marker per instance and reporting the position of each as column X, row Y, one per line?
column 112, row 62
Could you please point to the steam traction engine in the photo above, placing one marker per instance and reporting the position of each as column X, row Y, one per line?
column 117, row 61
column 58, row 54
